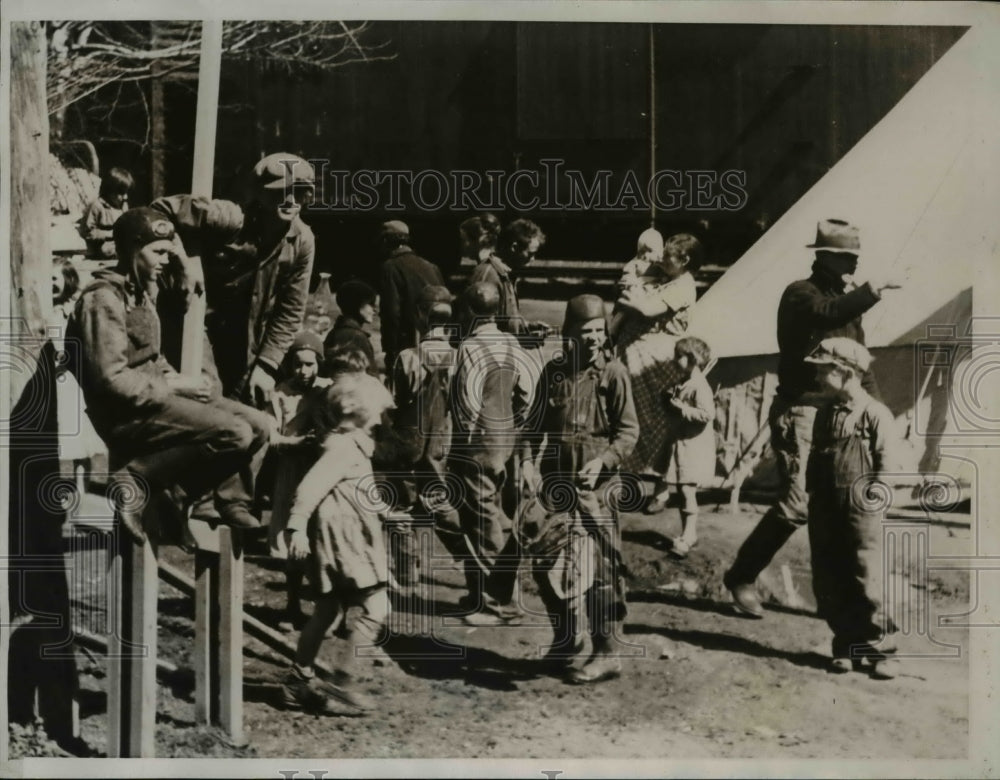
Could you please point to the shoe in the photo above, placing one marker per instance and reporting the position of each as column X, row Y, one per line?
column 560, row 656
column 656, row 505
column 347, row 696
column 309, row 694
column 680, row 548
column 887, row 669
column 597, row 669
column 238, row 517
column 129, row 501
column 746, row 601
column 505, row 616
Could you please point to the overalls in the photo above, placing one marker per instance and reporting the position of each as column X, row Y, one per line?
column 845, row 532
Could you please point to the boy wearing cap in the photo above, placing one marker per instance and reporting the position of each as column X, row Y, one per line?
column 583, row 408
column 404, row 274
column 257, row 264
column 492, row 392
column 850, row 453
column 165, row 429
column 829, row 303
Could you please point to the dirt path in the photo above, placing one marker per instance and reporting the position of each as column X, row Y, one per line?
column 704, row 683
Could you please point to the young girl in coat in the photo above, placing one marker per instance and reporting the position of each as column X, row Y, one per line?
column 293, row 405
column 691, row 409
column 336, row 518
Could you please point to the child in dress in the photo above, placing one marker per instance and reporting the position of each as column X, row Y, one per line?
column 336, row 520
column 850, row 453
column 293, row 408
column 691, row 406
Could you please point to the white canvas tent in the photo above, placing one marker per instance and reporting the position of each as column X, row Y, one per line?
column 923, row 187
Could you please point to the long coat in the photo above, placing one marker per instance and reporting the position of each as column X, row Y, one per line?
column 256, row 293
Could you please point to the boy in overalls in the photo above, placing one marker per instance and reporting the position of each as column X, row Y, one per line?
column 584, row 408
column 848, row 457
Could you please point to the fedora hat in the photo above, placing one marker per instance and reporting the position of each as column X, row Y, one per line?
column 836, row 235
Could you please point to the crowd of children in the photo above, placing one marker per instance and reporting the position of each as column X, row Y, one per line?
column 515, row 462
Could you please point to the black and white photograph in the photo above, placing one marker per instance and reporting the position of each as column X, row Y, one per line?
column 557, row 389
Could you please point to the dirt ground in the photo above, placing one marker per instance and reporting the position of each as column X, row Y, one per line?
column 703, row 683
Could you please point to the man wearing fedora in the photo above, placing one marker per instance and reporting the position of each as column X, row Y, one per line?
column 827, row 304
column 256, row 264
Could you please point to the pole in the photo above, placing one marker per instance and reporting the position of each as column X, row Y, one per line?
column 652, row 120
column 209, row 73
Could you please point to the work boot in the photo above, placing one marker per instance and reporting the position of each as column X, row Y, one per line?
column 308, row 693
column 758, row 550
column 604, row 664
column 129, row 497
column 567, row 641
column 746, row 601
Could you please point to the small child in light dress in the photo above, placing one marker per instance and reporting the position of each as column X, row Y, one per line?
column 691, row 406
column 337, row 520
column 292, row 406
column 648, row 250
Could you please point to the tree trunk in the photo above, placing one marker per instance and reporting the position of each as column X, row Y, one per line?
column 37, row 656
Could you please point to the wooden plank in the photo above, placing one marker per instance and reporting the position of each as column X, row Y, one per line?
column 230, row 645
column 206, row 537
column 142, row 585
column 115, row 661
column 206, row 567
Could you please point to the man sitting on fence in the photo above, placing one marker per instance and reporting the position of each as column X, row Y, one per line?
column 163, row 430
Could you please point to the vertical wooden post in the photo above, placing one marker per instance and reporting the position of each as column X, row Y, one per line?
column 133, row 588
column 230, row 622
column 206, row 577
column 219, row 578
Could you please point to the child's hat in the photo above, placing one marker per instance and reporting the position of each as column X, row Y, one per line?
column 581, row 309
column 843, row 352
column 141, row 226
column 307, row 339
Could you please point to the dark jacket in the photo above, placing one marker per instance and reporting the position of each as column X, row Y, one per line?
column 811, row 310
column 349, row 332
column 114, row 343
column 256, row 288
column 403, row 277
column 587, row 414
column 496, row 271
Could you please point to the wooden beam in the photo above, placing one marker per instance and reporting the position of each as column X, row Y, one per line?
column 209, row 75
column 133, row 590
column 230, row 647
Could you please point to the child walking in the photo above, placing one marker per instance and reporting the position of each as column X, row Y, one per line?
column 293, row 407
column 691, row 407
column 849, row 453
column 336, row 520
